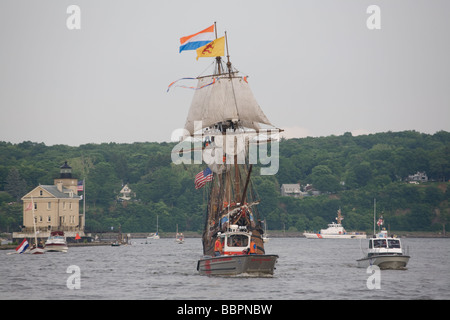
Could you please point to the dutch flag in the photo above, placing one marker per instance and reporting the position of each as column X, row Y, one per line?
column 197, row 40
column 22, row 247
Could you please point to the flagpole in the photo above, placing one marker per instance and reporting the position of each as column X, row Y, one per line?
column 374, row 210
column 84, row 203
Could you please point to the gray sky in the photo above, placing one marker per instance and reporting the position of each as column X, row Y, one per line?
column 314, row 66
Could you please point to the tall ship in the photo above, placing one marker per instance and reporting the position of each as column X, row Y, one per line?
column 227, row 118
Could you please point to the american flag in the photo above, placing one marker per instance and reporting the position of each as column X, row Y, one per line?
column 80, row 186
column 202, row 177
column 380, row 221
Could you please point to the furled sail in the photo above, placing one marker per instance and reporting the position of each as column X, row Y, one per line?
column 229, row 98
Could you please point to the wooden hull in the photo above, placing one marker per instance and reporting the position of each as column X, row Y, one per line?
column 252, row 265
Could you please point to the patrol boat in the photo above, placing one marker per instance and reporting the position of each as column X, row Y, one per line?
column 385, row 252
column 224, row 122
column 335, row 231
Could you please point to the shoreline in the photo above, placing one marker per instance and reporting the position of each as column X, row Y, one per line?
column 271, row 234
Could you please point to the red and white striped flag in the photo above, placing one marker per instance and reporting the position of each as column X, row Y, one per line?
column 202, row 177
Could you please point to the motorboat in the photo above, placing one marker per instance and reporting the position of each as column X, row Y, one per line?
column 385, row 252
column 335, row 231
column 56, row 242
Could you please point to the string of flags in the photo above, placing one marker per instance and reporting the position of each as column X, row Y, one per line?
column 190, row 87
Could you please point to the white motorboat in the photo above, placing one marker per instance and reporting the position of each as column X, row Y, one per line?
column 335, row 231
column 385, row 252
column 56, row 242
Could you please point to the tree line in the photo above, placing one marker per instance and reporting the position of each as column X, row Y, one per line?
column 349, row 171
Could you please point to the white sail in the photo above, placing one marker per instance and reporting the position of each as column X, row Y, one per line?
column 228, row 98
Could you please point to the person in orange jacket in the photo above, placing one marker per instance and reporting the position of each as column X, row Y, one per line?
column 218, row 247
column 252, row 247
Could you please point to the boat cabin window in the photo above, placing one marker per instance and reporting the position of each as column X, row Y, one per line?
column 379, row 243
column 394, row 243
column 237, row 240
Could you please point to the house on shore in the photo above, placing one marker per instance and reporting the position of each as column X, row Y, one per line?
column 54, row 207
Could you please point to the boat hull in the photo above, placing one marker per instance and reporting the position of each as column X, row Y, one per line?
column 56, row 248
column 385, row 262
column 36, row 251
column 334, row 236
column 252, row 265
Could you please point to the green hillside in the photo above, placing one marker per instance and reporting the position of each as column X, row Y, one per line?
column 348, row 171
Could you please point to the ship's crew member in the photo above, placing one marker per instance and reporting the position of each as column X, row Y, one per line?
column 252, row 247
column 218, row 247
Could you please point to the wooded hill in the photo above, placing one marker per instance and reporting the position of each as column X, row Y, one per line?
column 349, row 171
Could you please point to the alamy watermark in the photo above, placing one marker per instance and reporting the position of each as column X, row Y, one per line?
column 74, row 280
column 215, row 148
column 73, row 21
column 374, row 280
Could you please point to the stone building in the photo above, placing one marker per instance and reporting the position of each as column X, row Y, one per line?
column 55, row 207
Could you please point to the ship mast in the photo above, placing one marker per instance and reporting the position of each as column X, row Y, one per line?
column 218, row 58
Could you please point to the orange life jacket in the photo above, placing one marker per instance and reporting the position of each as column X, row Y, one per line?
column 252, row 247
column 218, row 246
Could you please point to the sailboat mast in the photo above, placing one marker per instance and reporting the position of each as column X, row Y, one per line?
column 34, row 222
column 228, row 55
column 218, row 58
column 236, row 179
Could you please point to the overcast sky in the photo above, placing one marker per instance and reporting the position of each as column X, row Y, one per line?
column 314, row 66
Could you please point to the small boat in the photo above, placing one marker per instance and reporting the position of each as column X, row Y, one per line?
column 385, row 252
column 179, row 237
column 36, row 248
column 335, row 231
column 154, row 236
column 236, row 259
column 56, row 242
column 115, row 244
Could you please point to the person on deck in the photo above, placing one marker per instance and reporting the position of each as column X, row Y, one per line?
column 252, row 247
column 218, row 247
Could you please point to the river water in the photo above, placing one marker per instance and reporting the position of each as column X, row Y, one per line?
column 306, row 269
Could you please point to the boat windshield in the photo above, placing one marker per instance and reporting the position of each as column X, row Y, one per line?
column 394, row 243
column 379, row 243
column 237, row 240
